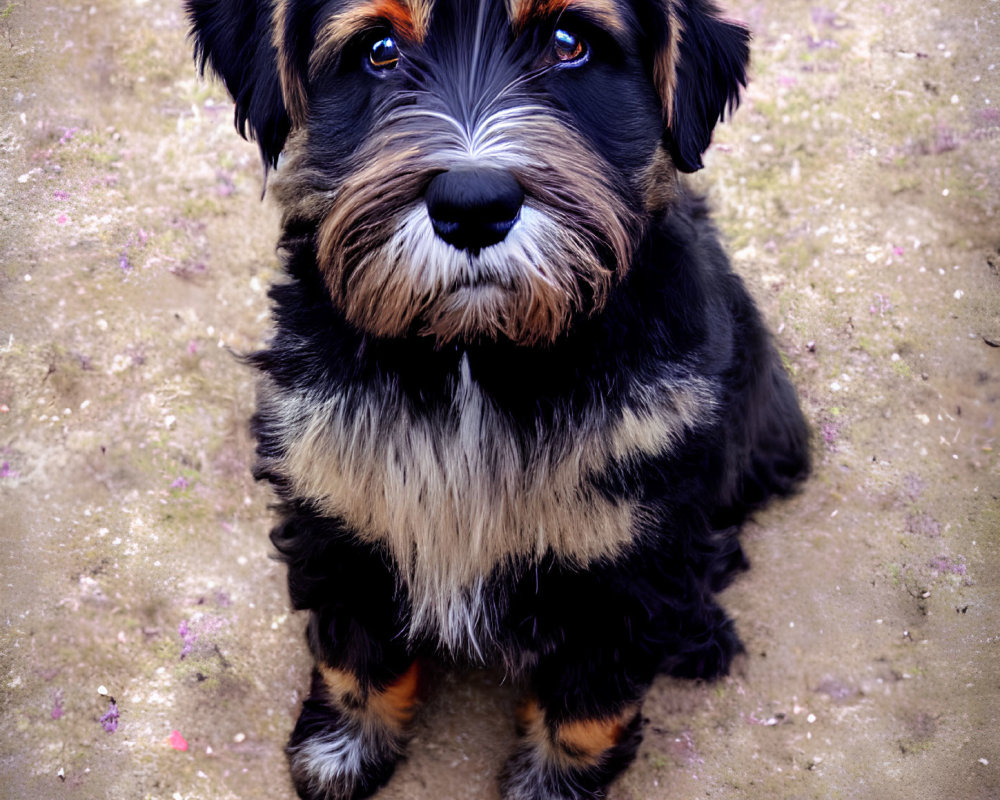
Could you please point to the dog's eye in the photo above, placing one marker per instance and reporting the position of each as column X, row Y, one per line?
column 384, row 54
column 569, row 48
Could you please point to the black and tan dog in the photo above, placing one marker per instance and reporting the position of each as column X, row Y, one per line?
column 517, row 405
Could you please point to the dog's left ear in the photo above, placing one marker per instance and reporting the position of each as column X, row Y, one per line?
column 699, row 67
column 234, row 38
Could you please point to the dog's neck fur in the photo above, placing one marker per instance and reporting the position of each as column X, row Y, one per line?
column 458, row 471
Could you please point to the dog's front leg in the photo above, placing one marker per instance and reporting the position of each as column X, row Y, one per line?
column 579, row 730
column 353, row 725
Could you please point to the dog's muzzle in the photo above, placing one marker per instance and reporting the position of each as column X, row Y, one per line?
column 473, row 208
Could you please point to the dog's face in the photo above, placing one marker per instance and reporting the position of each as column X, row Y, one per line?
column 474, row 169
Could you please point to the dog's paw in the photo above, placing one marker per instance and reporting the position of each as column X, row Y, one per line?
column 526, row 777
column 335, row 757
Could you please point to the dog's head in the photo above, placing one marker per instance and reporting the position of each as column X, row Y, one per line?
column 474, row 168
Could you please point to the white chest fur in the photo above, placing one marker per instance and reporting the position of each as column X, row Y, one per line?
column 455, row 495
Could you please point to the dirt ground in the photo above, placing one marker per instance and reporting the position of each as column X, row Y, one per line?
column 146, row 645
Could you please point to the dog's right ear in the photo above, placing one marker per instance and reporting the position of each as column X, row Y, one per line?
column 234, row 39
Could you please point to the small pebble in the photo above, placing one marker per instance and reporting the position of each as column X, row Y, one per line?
column 102, row 690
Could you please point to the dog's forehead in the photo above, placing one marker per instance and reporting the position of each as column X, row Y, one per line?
column 413, row 19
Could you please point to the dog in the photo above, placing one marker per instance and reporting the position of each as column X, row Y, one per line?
column 517, row 405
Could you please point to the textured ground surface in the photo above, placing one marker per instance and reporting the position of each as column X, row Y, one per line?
column 859, row 189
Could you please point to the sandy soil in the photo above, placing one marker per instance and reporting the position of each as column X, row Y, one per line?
column 859, row 189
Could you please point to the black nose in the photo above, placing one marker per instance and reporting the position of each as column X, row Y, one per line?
column 472, row 208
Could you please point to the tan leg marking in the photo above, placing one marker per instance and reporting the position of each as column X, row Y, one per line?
column 391, row 708
column 342, row 686
column 574, row 744
column 397, row 703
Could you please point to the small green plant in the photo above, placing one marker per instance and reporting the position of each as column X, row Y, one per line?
column 5, row 16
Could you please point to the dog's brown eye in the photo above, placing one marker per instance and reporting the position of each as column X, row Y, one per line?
column 569, row 48
column 384, row 54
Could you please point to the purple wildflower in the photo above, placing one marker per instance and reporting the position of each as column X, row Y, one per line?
column 188, row 637
column 110, row 720
column 57, row 706
column 947, row 566
column 880, row 306
column 831, row 433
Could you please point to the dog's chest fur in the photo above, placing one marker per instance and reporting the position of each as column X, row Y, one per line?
column 458, row 493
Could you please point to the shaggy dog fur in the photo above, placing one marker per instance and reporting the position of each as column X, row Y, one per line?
column 517, row 405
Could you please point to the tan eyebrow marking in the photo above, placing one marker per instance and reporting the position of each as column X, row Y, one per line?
column 408, row 19
column 603, row 12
